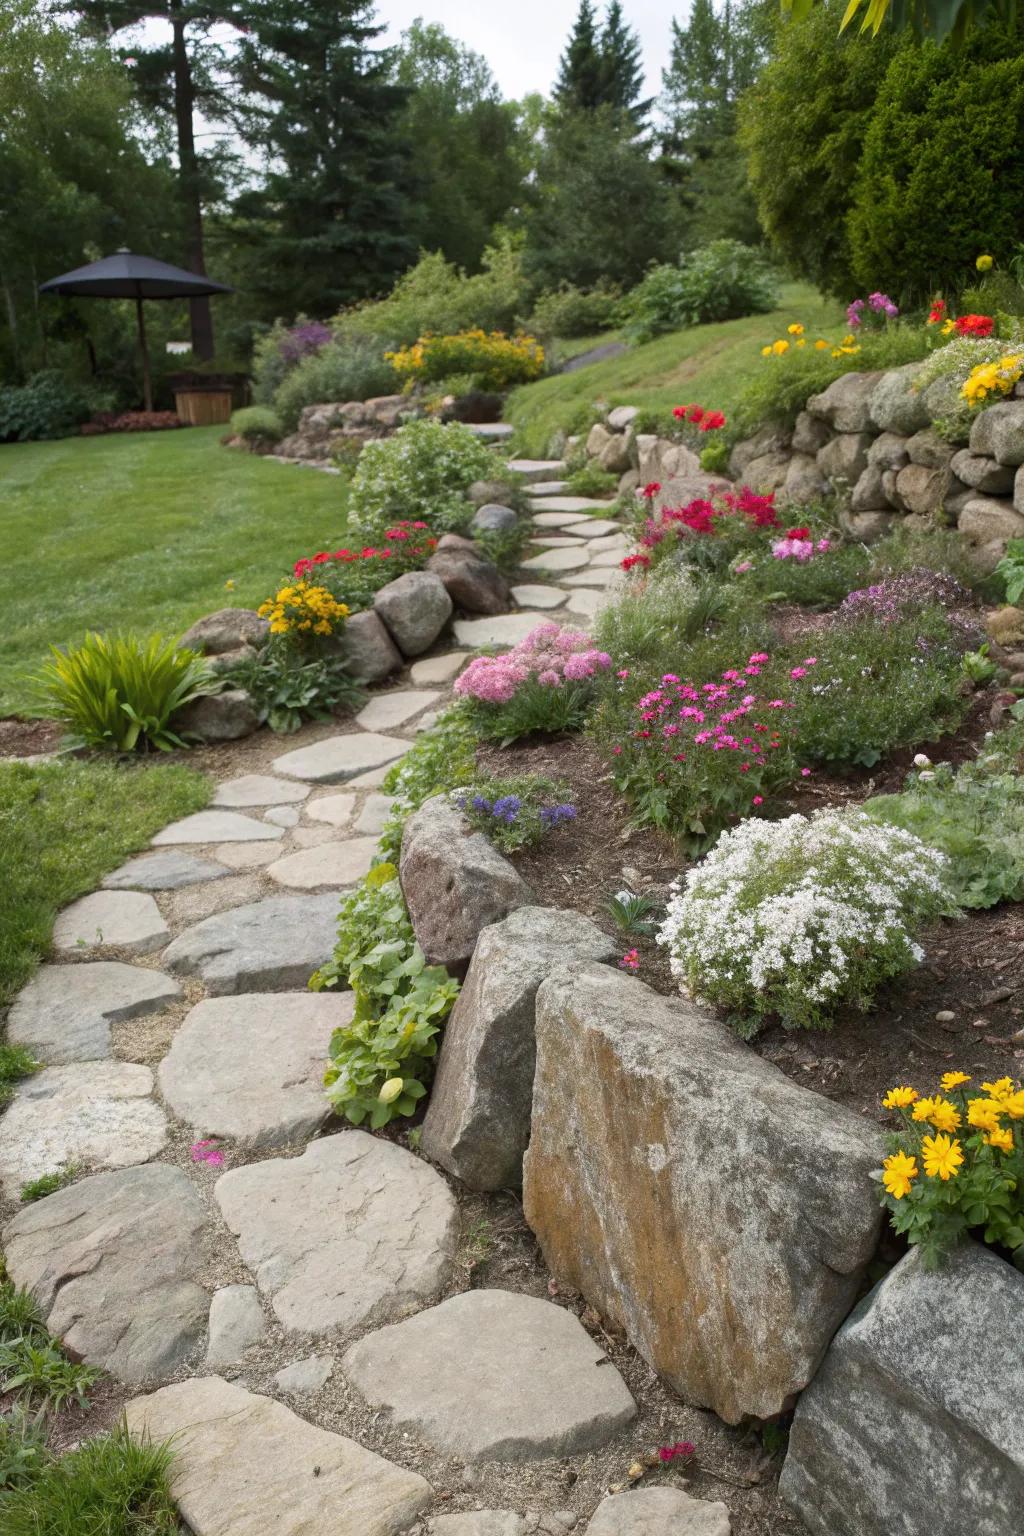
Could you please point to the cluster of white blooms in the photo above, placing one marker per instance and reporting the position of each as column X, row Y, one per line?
column 796, row 917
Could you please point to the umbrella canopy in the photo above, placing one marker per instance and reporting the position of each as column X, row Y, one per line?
column 127, row 276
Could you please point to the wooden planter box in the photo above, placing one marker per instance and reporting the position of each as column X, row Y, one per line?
column 203, row 407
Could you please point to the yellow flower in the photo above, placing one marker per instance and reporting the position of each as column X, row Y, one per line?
column 923, row 1109
column 941, row 1157
column 944, row 1116
column 984, row 1114
column 801, row 343
column 1002, row 1140
column 391, row 1089
column 1013, row 1105
column 899, row 1172
column 948, row 326
column 899, row 1098
column 795, row 330
column 951, row 1080
column 229, row 586
column 1002, row 1088
column 778, row 347
column 983, row 263
column 849, row 339
column 766, row 351
column 820, row 345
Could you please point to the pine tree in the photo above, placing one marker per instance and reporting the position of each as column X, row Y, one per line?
column 622, row 67
column 581, row 75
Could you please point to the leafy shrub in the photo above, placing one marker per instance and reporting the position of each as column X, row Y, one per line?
column 956, row 1165
column 379, row 1062
column 545, row 683
column 721, row 281
column 516, row 812
column 422, row 472
column 801, row 917
column 281, row 349
column 48, row 406
column 591, row 480
column 122, row 692
column 975, row 815
column 440, row 759
column 1011, row 569
column 350, row 368
column 353, row 576
column 486, row 361
column 111, row 1485
column 287, row 689
column 437, row 296
column 257, row 424
column 568, row 311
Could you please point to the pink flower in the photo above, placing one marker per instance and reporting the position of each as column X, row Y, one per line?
column 758, row 800
column 630, row 961
column 744, row 565
column 798, row 672
column 810, row 661
column 805, row 773
column 547, row 678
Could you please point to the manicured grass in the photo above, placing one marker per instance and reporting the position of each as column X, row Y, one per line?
column 142, row 531
column 63, row 826
column 708, row 363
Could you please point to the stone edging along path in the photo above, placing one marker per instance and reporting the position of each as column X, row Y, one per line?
column 214, row 1242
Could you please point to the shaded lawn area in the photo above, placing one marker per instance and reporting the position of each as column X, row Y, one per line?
column 142, row 531
column 707, row 363
column 65, row 825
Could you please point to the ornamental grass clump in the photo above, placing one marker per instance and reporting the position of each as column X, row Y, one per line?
column 799, row 918
column 544, row 684
column 956, row 1165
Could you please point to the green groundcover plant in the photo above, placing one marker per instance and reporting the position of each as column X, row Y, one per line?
column 516, row 812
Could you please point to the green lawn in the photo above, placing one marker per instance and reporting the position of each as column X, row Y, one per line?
column 143, row 531
column 708, row 363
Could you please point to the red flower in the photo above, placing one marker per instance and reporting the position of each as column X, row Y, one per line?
column 975, row 325
column 798, row 533
column 713, row 420
column 679, row 412
column 651, row 490
column 632, row 560
column 695, row 413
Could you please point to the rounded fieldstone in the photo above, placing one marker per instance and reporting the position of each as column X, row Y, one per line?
column 304, row 1376
column 225, row 630
column 494, row 518
column 215, row 717
column 368, row 648
column 415, row 608
column 128, row 920
column 65, row 1012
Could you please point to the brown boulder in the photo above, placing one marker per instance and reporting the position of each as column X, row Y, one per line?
column 473, row 584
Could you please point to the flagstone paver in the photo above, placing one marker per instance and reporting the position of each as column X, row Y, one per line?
column 595, row 528
column 236, row 1321
column 258, row 789
column 304, row 1376
column 374, row 814
column 558, row 519
column 65, row 1012
column 600, row 576
column 589, row 601
column 273, row 945
column 438, row 669
column 548, row 487
column 246, row 855
column 328, row 866
column 607, row 558
column 505, row 630
column 216, row 827
column 555, row 541
column 339, row 758
column 336, row 810
column 128, row 920
column 535, row 469
column 167, row 871
column 556, row 560
column 283, row 815
column 387, row 711
column 538, row 596
column 567, row 504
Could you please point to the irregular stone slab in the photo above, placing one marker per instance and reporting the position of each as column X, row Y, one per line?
column 128, row 920
column 494, row 1376
column 326, row 867
column 535, row 469
column 65, row 1012
column 604, row 558
column 537, row 596
column 549, row 488
column 492, row 431
column 336, row 810
column 438, row 669
column 281, row 1038
column 258, row 789
column 936, row 1353
column 455, row 882
column 304, row 1376
column 559, row 519
column 283, row 815
column 478, row 1119
column 555, row 541
column 96, row 1113
column 588, row 601
column 601, row 576
column 246, row 855
column 247, row 1466
column 339, row 758
column 730, row 1260
column 568, row 504
column 501, row 632
column 387, row 1248
column 658, row 1512
column 312, row 837
column 217, row 827
column 387, row 711
column 415, row 608
column 557, row 560
column 163, row 872
column 236, row 1321
column 273, row 945
column 479, row 1522
column 111, row 1262
column 374, row 814
column 596, row 528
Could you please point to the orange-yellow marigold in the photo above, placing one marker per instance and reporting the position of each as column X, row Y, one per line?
column 941, row 1157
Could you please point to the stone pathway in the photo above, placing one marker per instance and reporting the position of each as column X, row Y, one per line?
column 211, row 1226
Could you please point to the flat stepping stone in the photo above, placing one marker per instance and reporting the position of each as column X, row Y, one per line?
column 248, row 1466
column 128, row 920
column 558, row 560
column 111, row 1262
column 553, row 541
column 505, row 630
column 163, row 872
column 596, row 528
column 536, row 596
column 602, row 576
column 236, row 1321
column 611, row 541
column 607, row 559
column 567, row 504
column 539, row 488
column 283, row 815
column 438, row 669
column 247, row 855
column 355, row 1232
column 330, row 866
column 282, row 1038
column 493, row 1376
column 372, row 779
column 658, row 1512
column 492, row 431
column 387, row 711
column 304, row 1376
column 217, row 827
column 335, row 810
column 536, row 469
column 97, row 1113
column 341, row 757
column 273, row 945
column 589, row 601
column 65, row 1012
column 557, row 519
column 258, row 789
column 374, row 814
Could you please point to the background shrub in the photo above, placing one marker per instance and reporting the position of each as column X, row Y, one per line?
column 49, row 405
column 349, row 368
column 257, row 424
column 721, row 281
column 281, row 349
column 437, row 296
column 570, row 311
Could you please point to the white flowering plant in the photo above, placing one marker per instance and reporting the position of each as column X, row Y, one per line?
column 422, row 472
column 796, row 919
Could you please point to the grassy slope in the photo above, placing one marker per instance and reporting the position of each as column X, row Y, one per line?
column 143, row 531
column 709, row 363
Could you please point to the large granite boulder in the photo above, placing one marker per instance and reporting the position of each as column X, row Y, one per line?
column 845, row 403
column 226, row 630
column 804, row 482
column 889, row 451
column 894, row 405
column 986, row 520
column 371, row 653
column 845, row 458
column 455, row 882
column 869, row 493
column 478, row 1121
column 720, row 1213
column 922, row 489
column 998, row 432
column 983, row 474
column 415, row 607
column 216, row 717
column 810, row 433
column 473, row 583
column 913, row 1423
column 767, row 473
column 767, row 440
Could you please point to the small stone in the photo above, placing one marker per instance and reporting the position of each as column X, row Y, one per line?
column 556, row 560
column 945, row 1016
column 438, row 669
column 246, row 1465
column 809, row 433
column 163, row 872
column 374, row 814
column 216, row 717
column 367, row 647
column 273, row 945
column 922, row 488
column 339, row 758
column 236, row 1321
column 246, row 855
column 493, row 1376
column 387, row 1248
column 258, row 789
column 97, row 1113
column 331, row 866
column 225, row 630
column 283, row 1040
column 622, row 416
column 494, row 518
column 304, row 1376
column 506, row 630
column 479, row 1522
column 283, row 815
column 216, row 827
column 335, row 809
column 985, row 519
column 889, row 451
column 387, row 711
column 415, row 608
column 658, row 1512
column 65, row 1012
column 128, row 920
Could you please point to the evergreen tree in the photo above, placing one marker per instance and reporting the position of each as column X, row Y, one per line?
column 622, row 67
column 581, row 79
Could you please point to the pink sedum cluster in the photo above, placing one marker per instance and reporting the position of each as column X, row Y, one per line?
column 549, row 653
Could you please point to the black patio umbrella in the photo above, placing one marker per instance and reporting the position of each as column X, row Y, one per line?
column 126, row 276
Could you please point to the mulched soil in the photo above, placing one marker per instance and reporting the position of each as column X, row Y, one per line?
column 26, row 738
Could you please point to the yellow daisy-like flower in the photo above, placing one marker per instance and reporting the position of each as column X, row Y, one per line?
column 899, row 1098
column 899, row 1172
column 849, row 339
column 923, row 1108
column 780, row 346
column 941, row 1156
column 821, row 345
column 766, row 351
column 1000, row 1089
column 1002, row 1140
column 802, row 342
column 948, row 326
column 1013, row 1105
column 951, row 1080
column 795, row 330
column 983, row 263
column 944, row 1116
column 984, row 1114
column 229, row 586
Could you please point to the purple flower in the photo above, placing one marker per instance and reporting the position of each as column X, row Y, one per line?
column 481, row 805
column 507, row 808
column 303, row 340
column 551, row 815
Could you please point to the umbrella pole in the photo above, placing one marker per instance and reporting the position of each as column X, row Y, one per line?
column 147, row 387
